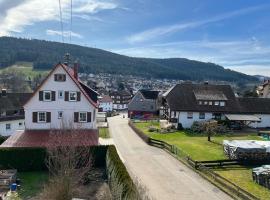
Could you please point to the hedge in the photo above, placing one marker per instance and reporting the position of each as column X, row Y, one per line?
column 33, row 159
column 120, row 182
column 139, row 132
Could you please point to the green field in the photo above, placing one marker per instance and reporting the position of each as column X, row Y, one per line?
column 26, row 68
column 32, row 183
column 104, row 133
column 199, row 148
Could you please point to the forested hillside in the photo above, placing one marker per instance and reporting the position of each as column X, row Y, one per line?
column 45, row 55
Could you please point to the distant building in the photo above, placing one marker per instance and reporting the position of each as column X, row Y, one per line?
column 120, row 99
column 144, row 104
column 186, row 103
column 105, row 103
column 11, row 111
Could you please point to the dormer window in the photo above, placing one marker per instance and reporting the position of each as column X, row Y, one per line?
column 206, row 103
column 200, row 102
column 47, row 95
column 216, row 103
column 222, row 103
column 210, row 103
column 60, row 77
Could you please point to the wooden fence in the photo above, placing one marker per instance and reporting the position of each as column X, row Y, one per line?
column 202, row 166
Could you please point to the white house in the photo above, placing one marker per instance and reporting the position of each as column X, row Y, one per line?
column 105, row 103
column 11, row 112
column 186, row 103
column 61, row 101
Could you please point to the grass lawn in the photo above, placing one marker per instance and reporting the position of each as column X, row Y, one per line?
column 25, row 68
column 32, row 183
column 199, row 148
column 104, row 133
column 195, row 145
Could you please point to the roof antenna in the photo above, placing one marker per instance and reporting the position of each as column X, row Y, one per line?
column 67, row 59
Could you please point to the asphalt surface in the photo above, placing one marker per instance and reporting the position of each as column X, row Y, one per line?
column 161, row 175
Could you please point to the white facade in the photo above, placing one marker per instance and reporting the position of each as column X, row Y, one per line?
column 106, row 106
column 188, row 118
column 9, row 127
column 120, row 106
column 265, row 121
column 68, row 108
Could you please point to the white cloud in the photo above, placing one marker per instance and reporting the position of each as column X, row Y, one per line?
column 29, row 12
column 164, row 30
column 65, row 33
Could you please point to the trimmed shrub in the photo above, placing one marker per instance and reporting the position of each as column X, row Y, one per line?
column 33, row 159
column 121, row 184
column 23, row 159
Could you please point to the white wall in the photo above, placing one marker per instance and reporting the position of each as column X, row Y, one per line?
column 68, row 108
column 14, row 125
column 106, row 106
column 119, row 106
column 186, row 123
column 265, row 121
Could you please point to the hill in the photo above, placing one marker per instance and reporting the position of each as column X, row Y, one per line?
column 45, row 54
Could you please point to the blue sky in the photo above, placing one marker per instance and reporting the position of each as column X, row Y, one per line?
column 232, row 33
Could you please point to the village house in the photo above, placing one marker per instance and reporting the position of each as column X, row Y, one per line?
column 120, row 99
column 61, row 102
column 105, row 103
column 264, row 90
column 186, row 103
column 11, row 111
column 144, row 104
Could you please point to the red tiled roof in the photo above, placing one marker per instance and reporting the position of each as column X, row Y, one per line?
column 46, row 138
column 105, row 99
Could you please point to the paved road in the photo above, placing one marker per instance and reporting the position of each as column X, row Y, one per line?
column 163, row 176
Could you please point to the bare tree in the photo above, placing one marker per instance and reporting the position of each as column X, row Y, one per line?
column 210, row 129
column 68, row 163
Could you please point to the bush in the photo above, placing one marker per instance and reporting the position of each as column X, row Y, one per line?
column 33, row 159
column 23, row 159
column 121, row 184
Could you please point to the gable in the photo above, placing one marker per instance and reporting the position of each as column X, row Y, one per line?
column 70, row 84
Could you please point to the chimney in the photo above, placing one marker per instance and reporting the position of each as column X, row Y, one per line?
column 76, row 69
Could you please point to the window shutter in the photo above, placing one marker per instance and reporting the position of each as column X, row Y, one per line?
column 78, row 96
column 64, row 78
column 48, row 117
column 88, row 116
column 53, row 95
column 55, row 77
column 34, row 117
column 41, row 95
column 66, row 95
column 76, row 116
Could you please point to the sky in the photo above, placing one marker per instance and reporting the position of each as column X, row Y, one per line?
column 231, row 33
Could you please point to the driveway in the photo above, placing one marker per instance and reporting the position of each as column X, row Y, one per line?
column 163, row 176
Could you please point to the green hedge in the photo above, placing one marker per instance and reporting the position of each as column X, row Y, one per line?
column 121, row 184
column 23, row 159
column 33, row 159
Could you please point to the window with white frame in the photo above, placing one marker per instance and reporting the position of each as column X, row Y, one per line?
column 206, row 103
column 210, row 103
column 216, row 103
column 82, row 117
column 72, row 96
column 8, row 126
column 60, row 94
column 47, row 95
column 222, row 103
column 190, row 115
column 200, row 102
column 60, row 114
column 41, row 117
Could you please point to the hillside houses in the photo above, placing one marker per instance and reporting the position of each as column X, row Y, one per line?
column 61, row 102
column 120, row 99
